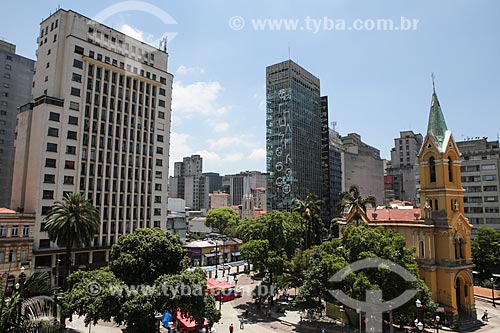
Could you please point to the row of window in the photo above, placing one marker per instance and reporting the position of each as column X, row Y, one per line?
column 54, row 116
column 52, row 163
column 14, row 231
column 476, row 189
column 23, row 258
column 474, row 179
column 472, row 168
column 480, row 199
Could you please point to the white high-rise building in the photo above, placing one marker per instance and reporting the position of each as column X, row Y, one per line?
column 99, row 124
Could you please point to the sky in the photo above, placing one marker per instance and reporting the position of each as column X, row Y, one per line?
column 378, row 80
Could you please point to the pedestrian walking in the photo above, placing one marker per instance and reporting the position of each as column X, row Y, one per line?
column 485, row 316
column 231, row 328
column 241, row 324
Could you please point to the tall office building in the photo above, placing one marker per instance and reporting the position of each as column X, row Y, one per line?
column 363, row 167
column 336, row 164
column 16, row 77
column 481, row 180
column 187, row 182
column 99, row 124
column 239, row 184
column 293, row 134
column 402, row 170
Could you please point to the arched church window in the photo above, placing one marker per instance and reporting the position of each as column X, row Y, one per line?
column 450, row 169
column 432, row 169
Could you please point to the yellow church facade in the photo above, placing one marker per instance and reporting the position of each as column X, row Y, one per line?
column 438, row 230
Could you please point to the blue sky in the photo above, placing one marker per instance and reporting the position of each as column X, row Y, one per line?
column 378, row 82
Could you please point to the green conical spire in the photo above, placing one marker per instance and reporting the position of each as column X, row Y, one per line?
column 437, row 125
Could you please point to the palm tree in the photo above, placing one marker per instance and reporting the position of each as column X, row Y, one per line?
column 30, row 301
column 70, row 223
column 352, row 199
column 310, row 210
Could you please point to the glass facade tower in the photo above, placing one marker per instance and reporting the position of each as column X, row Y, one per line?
column 293, row 134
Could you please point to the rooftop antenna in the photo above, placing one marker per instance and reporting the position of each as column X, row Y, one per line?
column 334, row 125
column 163, row 44
column 289, row 58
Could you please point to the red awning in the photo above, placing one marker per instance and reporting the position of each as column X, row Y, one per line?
column 187, row 321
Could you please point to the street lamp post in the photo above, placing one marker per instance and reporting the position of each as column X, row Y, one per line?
column 437, row 323
column 493, row 291
column 359, row 312
column 420, row 326
column 419, row 306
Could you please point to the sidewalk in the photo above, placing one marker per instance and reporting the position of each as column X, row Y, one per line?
column 486, row 292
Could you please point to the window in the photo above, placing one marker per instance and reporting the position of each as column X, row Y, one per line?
column 72, row 135
column 491, row 199
column 71, row 150
column 54, row 116
column 73, row 120
column 47, row 65
column 44, row 244
column 489, row 177
column 161, row 114
column 3, row 231
column 159, row 150
column 6, row 75
column 450, row 169
column 159, row 162
column 79, row 49
column 490, row 188
column 74, row 106
column 159, row 138
column 69, row 165
column 55, row 38
column 15, row 231
column 24, row 255
column 12, row 256
column 157, row 199
column 488, row 167
column 68, row 180
column 75, row 91
column 49, row 179
column 163, row 80
column 7, row 66
column 432, row 169
column 157, row 211
column 48, row 194
column 50, row 163
column 76, row 77
column 26, row 230
column 473, row 199
column 77, row 63
column 45, row 210
column 162, row 91
column 161, row 102
column 52, row 147
column 53, row 132
column 157, row 187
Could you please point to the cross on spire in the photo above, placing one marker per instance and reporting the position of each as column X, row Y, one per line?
column 433, row 77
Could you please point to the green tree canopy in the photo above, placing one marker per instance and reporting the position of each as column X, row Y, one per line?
column 72, row 222
column 486, row 251
column 352, row 199
column 144, row 255
column 322, row 262
column 33, row 300
column 310, row 211
column 221, row 219
column 144, row 277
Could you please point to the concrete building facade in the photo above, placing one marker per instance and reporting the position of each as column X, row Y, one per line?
column 363, row 167
column 187, row 182
column 100, row 125
column 402, row 169
column 481, row 179
column 16, row 77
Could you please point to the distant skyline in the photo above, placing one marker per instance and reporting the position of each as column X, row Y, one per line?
column 378, row 82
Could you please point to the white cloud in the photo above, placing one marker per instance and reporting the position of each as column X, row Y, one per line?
column 179, row 147
column 232, row 141
column 258, row 154
column 198, row 97
column 221, row 126
column 135, row 33
column 183, row 70
column 233, row 157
